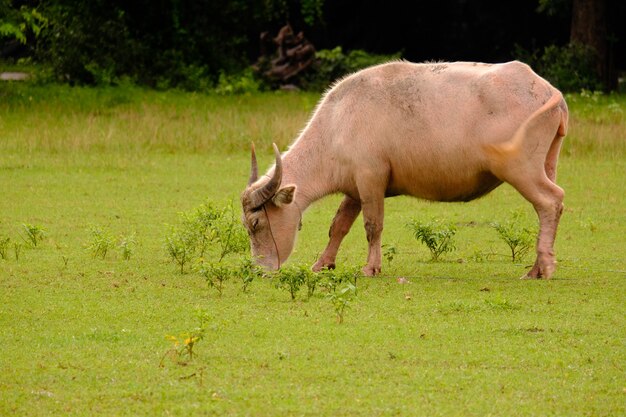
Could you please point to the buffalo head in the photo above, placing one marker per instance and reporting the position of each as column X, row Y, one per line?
column 270, row 214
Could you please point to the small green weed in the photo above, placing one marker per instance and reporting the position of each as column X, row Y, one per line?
column 518, row 238
column 184, row 343
column 205, row 230
column 215, row 274
column 248, row 271
column 181, row 246
column 331, row 279
column 17, row 250
column 341, row 300
column 436, row 235
column 348, row 275
column 389, row 252
column 200, row 225
column 230, row 234
column 5, row 242
column 312, row 280
column 126, row 245
column 292, row 278
column 102, row 241
column 34, row 234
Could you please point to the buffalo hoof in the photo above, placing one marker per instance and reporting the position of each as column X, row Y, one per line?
column 370, row 271
column 538, row 273
column 319, row 265
column 529, row 276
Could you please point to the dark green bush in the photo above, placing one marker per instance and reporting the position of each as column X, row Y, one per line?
column 85, row 47
column 19, row 22
column 332, row 64
column 570, row 68
column 244, row 82
column 175, row 45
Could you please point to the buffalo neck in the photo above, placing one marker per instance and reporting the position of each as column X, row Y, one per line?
column 304, row 168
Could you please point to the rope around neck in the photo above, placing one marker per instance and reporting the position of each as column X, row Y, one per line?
column 269, row 225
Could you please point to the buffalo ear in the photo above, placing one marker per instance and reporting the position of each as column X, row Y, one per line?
column 284, row 195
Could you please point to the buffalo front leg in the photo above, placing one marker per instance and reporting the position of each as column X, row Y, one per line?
column 373, row 214
column 347, row 212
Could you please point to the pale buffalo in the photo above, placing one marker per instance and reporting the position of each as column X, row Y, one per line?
column 437, row 131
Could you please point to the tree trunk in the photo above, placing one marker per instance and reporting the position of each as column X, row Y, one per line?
column 589, row 27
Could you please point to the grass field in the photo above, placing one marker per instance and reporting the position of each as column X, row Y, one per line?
column 461, row 337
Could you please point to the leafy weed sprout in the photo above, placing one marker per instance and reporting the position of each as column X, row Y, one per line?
column 230, row 234
column 126, row 245
column 351, row 275
column 5, row 244
column 5, row 241
column 181, row 246
column 203, row 231
column 184, row 343
column 341, row 300
column 248, row 271
column 518, row 238
column 389, row 252
column 34, row 234
column 17, row 250
column 436, row 235
column 311, row 282
column 102, row 241
column 215, row 275
column 341, row 285
column 292, row 278
column 200, row 224
column 331, row 279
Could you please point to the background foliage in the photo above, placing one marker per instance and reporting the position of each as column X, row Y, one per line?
column 188, row 44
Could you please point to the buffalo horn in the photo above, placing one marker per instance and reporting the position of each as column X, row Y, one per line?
column 264, row 194
column 254, row 169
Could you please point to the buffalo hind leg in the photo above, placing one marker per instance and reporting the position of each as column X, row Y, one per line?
column 547, row 199
column 549, row 216
column 528, row 162
column 347, row 212
column 550, row 167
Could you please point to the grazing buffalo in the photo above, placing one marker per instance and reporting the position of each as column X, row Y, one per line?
column 437, row 131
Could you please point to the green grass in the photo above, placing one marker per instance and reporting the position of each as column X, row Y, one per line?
column 59, row 119
column 85, row 336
